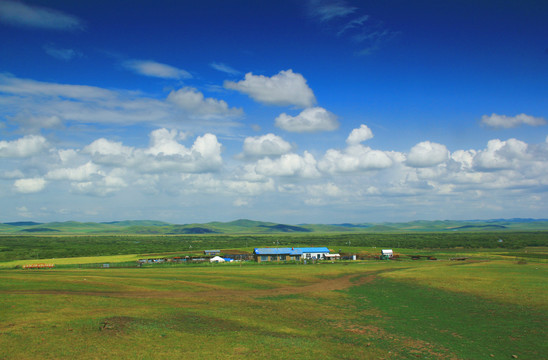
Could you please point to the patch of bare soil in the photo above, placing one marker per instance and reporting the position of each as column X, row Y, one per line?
column 116, row 324
column 416, row 347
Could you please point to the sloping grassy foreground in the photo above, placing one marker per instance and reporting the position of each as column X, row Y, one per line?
column 362, row 310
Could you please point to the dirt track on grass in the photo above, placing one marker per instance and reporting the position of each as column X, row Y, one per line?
column 216, row 292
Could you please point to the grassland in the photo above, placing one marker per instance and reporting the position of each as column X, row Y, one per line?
column 494, row 304
column 490, row 306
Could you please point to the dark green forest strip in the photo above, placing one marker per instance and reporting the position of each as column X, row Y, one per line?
column 54, row 246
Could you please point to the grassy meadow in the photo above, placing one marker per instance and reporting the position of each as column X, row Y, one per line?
column 490, row 306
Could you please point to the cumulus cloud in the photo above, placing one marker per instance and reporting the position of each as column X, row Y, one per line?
column 354, row 158
column 80, row 173
column 359, row 135
column 503, row 121
column 289, row 165
column 108, row 152
column 501, row 155
column 308, row 121
column 31, row 185
column 101, row 187
column 156, row 69
column 19, row 14
column 193, row 101
column 266, row 145
column 24, row 147
column 164, row 142
column 284, row 88
column 167, row 154
column 426, row 154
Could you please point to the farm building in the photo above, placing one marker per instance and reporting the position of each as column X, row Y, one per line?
column 284, row 254
column 387, row 254
column 212, row 252
column 218, row 259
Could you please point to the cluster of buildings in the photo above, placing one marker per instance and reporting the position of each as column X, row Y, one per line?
column 258, row 255
column 267, row 255
column 293, row 253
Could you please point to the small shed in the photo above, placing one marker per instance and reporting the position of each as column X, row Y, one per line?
column 387, row 254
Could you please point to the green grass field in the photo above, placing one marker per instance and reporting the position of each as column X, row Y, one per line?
column 475, row 309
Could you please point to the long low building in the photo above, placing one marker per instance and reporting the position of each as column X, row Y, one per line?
column 285, row 254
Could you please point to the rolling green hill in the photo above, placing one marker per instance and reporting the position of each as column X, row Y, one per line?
column 244, row 226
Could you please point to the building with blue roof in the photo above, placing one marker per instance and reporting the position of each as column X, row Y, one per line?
column 285, row 254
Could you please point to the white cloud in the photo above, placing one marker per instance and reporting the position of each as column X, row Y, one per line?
column 166, row 154
column 248, row 188
column 289, row 165
column 207, row 183
column 193, row 101
column 13, row 85
column 326, row 10
column 104, row 186
column 11, row 174
column 156, row 69
column 284, row 88
column 164, row 142
column 501, row 155
column 321, row 190
column 354, row 158
column 353, row 24
column 19, row 14
column 224, row 68
column 67, row 155
column 35, row 124
column 240, row 202
column 32, row 185
column 23, row 211
column 348, row 22
column 104, row 151
column 24, row 147
column 61, row 54
column 80, row 173
column 309, row 120
column 465, row 158
column 30, row 99
column 503, row 121
column 359, row 135
column 426, row 154
column 266, row 145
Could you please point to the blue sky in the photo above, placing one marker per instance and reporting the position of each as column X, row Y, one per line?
column 291, row 111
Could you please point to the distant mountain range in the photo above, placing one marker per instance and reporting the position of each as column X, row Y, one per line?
column 150, row 227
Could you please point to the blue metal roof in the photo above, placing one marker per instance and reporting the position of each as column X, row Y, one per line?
column 315, row 250
column 289, row 251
